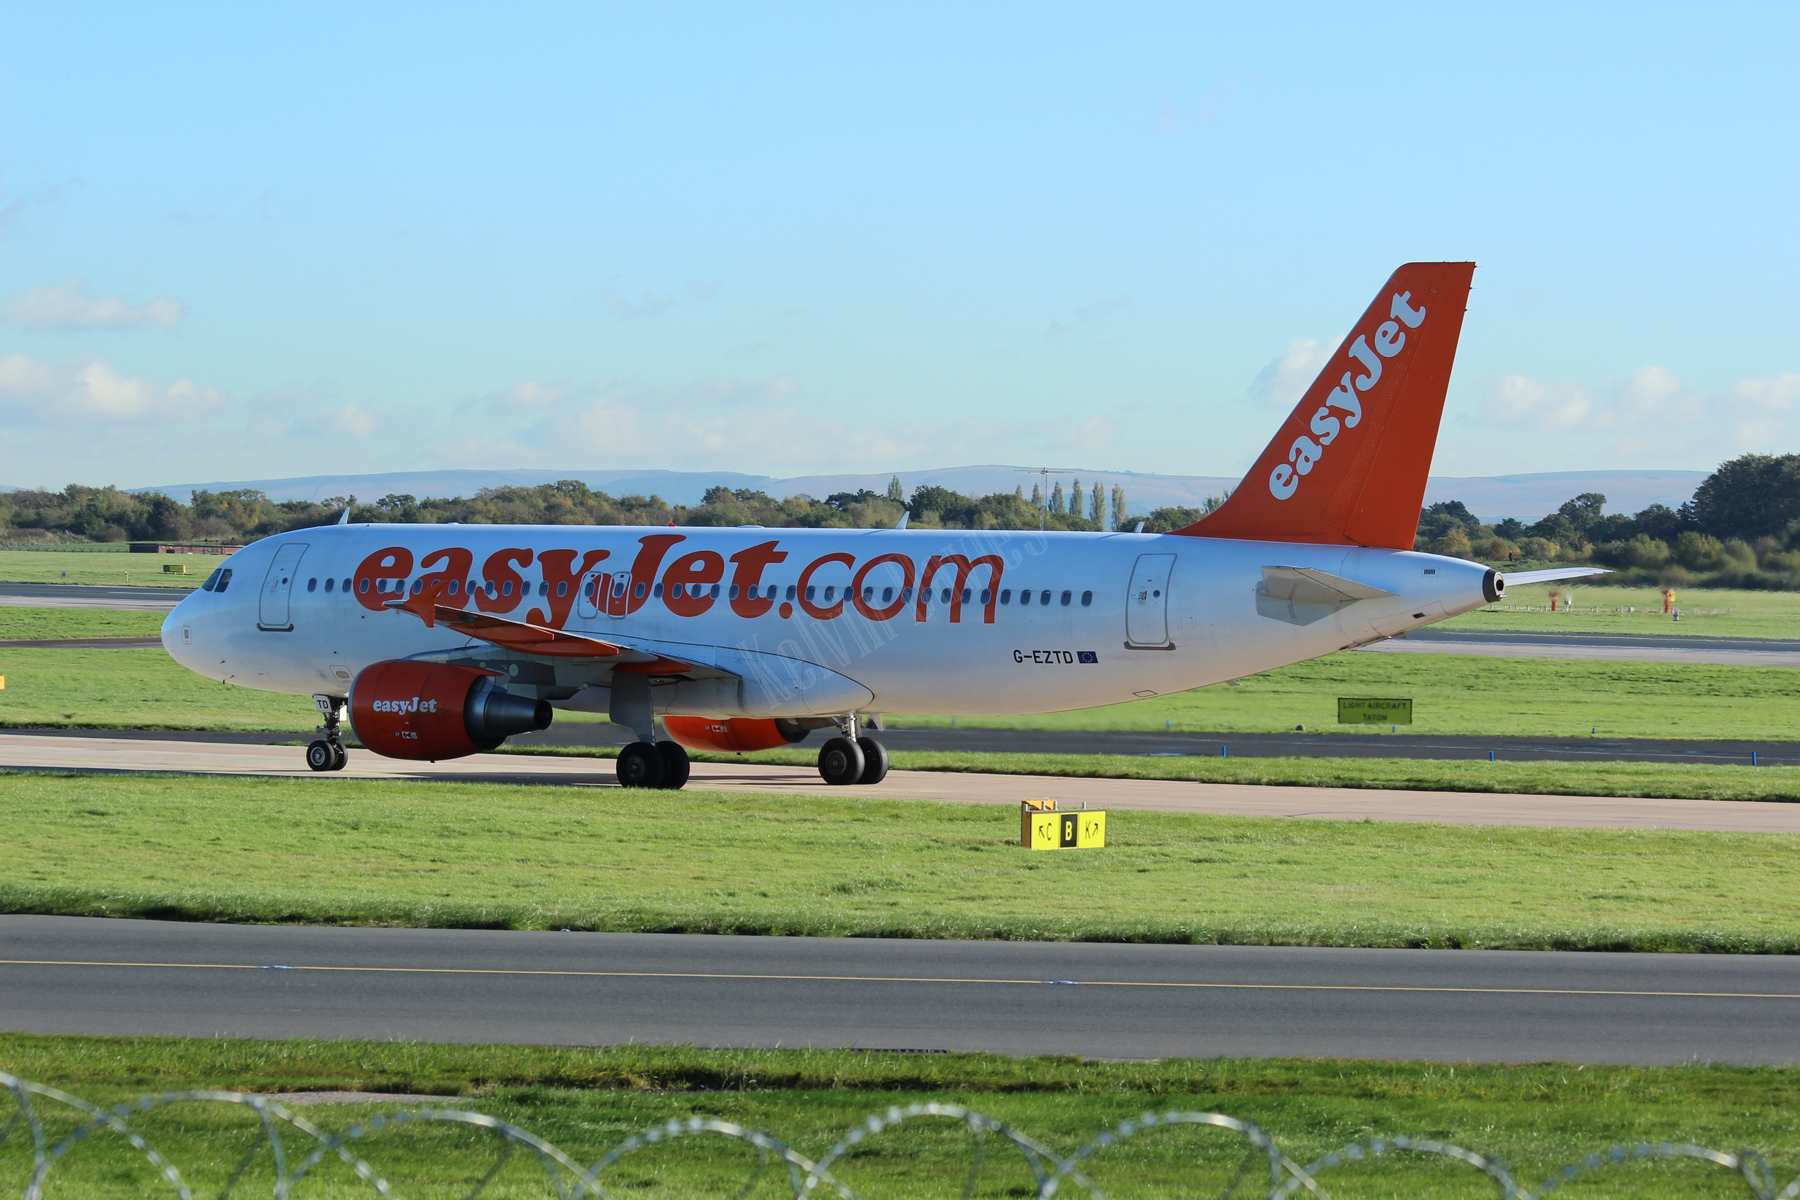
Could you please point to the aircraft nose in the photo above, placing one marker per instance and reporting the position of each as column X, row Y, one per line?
column 173, row 627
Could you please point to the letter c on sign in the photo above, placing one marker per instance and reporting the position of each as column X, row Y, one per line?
column 1282, row 482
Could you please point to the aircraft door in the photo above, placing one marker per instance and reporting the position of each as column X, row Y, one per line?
column 1147, row 602
column 590, row 595
column 618, row 599
column 278, row 587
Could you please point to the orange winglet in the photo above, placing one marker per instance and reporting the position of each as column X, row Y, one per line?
column 1349, row 464
column 513, row 635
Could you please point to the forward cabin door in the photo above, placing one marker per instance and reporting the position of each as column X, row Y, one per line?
column 1147, row 603
column 590, row 594
column 278, row 586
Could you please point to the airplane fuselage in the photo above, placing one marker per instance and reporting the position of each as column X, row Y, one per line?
column 811, row 622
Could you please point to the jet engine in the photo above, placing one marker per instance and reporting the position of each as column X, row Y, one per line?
column 739, row 735
column 422, row 710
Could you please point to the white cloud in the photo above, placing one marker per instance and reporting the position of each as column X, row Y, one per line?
column 1285, row 379
column 67, row 307
column 80, row 395
column 1650, row 414
column 629, row 310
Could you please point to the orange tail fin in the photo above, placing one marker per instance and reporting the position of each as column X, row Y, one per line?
column 1349, row 464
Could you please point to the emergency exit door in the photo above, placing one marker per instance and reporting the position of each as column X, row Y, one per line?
column 1147, row 603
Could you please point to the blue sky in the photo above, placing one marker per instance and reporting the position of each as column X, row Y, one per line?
column 252, row 240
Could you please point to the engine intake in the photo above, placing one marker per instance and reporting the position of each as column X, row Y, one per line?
column 419, row 710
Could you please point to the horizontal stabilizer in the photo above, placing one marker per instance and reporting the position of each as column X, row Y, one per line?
column 1302, row 595
column 1303, row 585
column 1552, row 575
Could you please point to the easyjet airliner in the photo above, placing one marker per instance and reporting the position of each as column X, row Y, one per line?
column 444, row 640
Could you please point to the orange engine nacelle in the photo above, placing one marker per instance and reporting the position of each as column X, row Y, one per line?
column 406, row 709
column 737, row 736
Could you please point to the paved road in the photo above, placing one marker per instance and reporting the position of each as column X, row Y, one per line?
column 963, row 739
column 96, row 976
column 87, row 595
column 34, row 752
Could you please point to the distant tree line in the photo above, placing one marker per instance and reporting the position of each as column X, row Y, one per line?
column 1741, row 529
column 88, row 514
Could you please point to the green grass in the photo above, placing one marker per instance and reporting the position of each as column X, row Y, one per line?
column 1453, row 694
column 1705, row 612
column 1536, row 1118
column 77, row 623
column 493, row 856
column 135, row 689
column 63, row 564
column 1465, row 695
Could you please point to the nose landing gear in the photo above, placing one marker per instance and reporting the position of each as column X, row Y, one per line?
column 853, row 757
column 328, row 753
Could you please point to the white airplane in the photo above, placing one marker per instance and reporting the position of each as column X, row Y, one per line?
column 444, row 640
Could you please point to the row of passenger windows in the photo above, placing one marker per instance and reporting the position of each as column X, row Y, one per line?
column 1043, row 598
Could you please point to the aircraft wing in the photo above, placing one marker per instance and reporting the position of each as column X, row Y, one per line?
column 523, row 636
column 1552, row 575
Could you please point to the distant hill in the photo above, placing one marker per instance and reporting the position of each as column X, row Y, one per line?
column 1491, row 498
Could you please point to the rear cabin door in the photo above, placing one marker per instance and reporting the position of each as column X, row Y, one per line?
column 278, row 586
column 1147, row 603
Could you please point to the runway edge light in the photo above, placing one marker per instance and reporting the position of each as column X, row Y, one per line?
column 1043, row 827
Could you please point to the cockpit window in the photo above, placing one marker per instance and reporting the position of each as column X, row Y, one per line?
column 224, row 579
column 211, row 580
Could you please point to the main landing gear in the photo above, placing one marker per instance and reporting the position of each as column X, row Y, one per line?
column 328, row 753
column 852, row 758
column 653, row 765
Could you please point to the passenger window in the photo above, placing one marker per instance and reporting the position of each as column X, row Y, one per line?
column 887, row 594
column 715, row 590
column 945, row 597
column 312, row 585
column 362, row 586
column 455, row 587
column 986, row 595
column 1024, row 597
column 506, row 589
column 562, row 588
column 329, row 584
column 790, row 594
column 965, row 596
column 473, row 587
column 639, row 591
column 906, row 595
column 1087, row 599
column 543, row 587
column 734, row 592
column 1006, row 596
column 490, row 587
column 830, row 592
column 809, row 592
column 1066, row 597
column 228, row 574
column 868, row 594
column 419, row 585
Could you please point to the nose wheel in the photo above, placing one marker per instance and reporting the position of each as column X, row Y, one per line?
column 327, row 753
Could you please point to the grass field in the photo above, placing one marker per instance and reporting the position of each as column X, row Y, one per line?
column 465, row 855
column 1453, row 694
column 1535, row 1118
column 1705, row 612
column 77, row 623
column 104, row 564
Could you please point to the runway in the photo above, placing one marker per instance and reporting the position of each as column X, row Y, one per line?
column 125, row 978
column 90, row 595
column 126, row 754
column 1611, row 647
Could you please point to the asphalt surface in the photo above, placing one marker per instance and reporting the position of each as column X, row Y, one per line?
column 125, row 755
column 89, row 595
column 125, row 978
column 963, row 739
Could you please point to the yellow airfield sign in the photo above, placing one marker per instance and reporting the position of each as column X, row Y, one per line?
column 1042, row 827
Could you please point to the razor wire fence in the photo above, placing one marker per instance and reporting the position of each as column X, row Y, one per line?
column 295, row 1147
